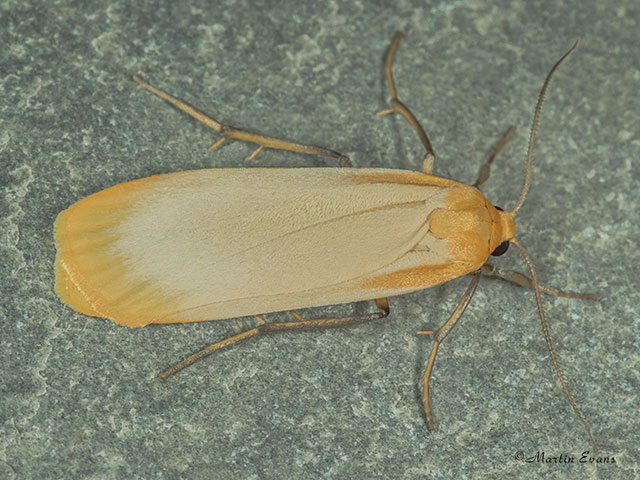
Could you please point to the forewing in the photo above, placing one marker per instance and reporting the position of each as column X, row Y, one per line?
column 139, row 251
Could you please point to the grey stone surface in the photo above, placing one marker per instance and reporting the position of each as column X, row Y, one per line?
column 79, row 396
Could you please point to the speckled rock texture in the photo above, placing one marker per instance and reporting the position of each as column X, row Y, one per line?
column 80, row 397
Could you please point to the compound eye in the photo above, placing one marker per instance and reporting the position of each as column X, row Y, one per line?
column 501, row 249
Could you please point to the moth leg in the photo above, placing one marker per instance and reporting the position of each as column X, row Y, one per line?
column 275, row 327
column 485, row 169
column 229, row 132
column 438, row 336
column 398, row 107
column 521, row 279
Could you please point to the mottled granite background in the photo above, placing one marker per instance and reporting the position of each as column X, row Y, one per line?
column 79, row 396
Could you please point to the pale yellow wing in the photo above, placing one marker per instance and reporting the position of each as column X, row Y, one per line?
column 155, row 249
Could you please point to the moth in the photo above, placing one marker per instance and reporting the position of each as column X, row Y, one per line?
column 229, row 242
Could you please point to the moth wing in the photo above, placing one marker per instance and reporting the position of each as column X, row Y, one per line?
column 155, row 249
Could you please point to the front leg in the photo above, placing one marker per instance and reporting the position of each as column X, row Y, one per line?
column 521, row 279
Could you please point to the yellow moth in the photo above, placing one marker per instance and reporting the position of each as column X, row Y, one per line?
column 223, row 243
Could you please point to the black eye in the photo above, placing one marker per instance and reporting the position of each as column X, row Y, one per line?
column 499, row 208
column 501, row 249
